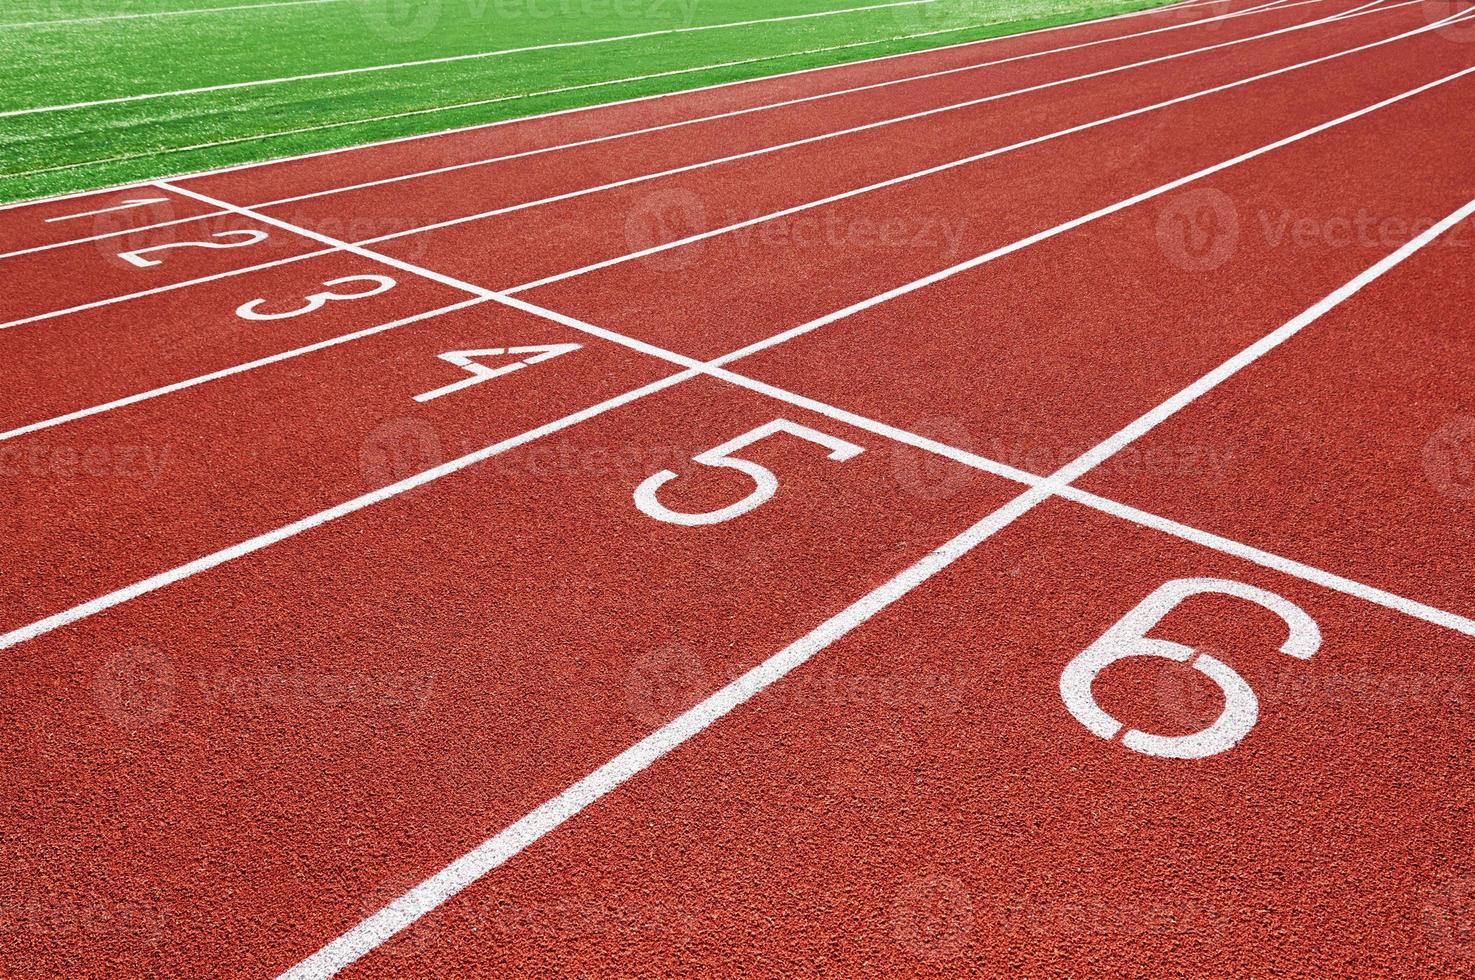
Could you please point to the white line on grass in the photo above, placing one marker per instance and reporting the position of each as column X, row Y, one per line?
column 448, row 59
column 434, row 891
column 146, row 15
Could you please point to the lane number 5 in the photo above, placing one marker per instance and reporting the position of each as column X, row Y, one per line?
column 765, row 484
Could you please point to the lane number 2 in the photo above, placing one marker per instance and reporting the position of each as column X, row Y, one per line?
column 765, row 484
column 252, row 237
column 1128, row 638
column 316, row 301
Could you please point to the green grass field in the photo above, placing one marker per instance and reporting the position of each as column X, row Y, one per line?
column 60, row 52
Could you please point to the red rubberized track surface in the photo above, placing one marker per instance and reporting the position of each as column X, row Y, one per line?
column 1022, row 525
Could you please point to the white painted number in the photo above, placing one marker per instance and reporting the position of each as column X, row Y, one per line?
column 252, row 237
column 316, row 301
column 480, row 372
column 765, row 483
column 1128, row 638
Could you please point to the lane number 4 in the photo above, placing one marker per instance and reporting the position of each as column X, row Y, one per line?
column 765, row 484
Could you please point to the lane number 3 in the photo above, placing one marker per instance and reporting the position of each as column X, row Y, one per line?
column 251, row 311
column 765, row 484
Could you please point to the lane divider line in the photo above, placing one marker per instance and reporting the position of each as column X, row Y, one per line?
column 927, row 113
column 448, row 59
column 1171, row 9
column 465, row 870
column 486, row 161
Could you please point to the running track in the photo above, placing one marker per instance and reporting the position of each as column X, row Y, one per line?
column 1157, row 323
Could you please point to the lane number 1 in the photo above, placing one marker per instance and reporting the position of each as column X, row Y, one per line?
column 765, row 484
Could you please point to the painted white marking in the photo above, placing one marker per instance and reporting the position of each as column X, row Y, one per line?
column 132, row 202
column 448, row 59
column 1048, row 233
column 926, row 113
column 148, row 15
column 480, row 373
column 193, row 568
column 136, row 257
column 765, row 484
column 170, row 389
column 445, row 884
column 1170, row 9
column 1127, row 638
column 169, row 288
column 598, row 139
column 316, row 301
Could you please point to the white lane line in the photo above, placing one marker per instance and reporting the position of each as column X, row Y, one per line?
column 149, row 15
column 906, row 79
column 1084, row 219
column 190, row 569
column 162, row 289
column 170, row 389
column 128, row 205
column 759, row 345
column 1171, row 9
column 456, row 876
column 449, row 59
column 1274, row 562
column 615, row 136
column 923, row 114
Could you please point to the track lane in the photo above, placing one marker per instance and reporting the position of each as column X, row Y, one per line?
column 448, row 196
column 930, row 805
column 159, row 258
column 66, row 219
column 80, row 362
column 718, row 293
column 1089, row 326
column 604, row 221
column 118, row 497
column 290, row 177
column 260, row 710
column 1382, row 386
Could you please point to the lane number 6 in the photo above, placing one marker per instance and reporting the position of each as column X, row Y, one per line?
column 765, row 483
column 248, row 311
